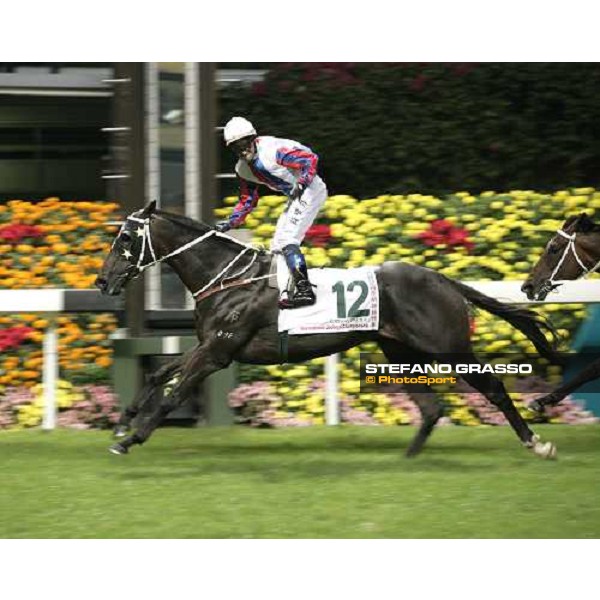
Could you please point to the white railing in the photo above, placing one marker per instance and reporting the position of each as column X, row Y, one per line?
column 52, row 301
column 49, row 303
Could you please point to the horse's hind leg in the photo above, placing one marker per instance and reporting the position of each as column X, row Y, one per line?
column 431, row 412
column 493, row 389
column 421, row 394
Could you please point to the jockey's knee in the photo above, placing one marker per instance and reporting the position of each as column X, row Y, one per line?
column 291, row 249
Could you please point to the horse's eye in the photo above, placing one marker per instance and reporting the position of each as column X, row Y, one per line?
column 553, row 248
column 125, row 237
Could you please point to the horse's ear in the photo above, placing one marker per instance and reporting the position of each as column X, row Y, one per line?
column 585, row 223
column 570, row 220
column 148, row 209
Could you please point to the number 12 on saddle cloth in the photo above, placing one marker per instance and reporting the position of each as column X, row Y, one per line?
column 347, row 300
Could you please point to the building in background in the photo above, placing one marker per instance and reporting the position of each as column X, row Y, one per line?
column 53, row 129
column 59, row 136
column 51, row 138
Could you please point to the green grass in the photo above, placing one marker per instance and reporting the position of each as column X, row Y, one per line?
column 346, row 482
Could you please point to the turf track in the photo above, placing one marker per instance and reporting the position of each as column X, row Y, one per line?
column 342, row 482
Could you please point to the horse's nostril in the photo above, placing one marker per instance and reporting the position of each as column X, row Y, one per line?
column 100, row 283
column 526, row 287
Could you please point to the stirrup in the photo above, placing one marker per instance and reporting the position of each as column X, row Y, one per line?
column 297, row 301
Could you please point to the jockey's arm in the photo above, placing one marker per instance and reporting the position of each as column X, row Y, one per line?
column 248, row 199
column 301, row 160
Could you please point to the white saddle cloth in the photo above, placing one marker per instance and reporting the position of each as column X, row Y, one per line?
column 347, row 300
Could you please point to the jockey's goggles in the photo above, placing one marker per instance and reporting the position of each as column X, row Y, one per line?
column 240, row 146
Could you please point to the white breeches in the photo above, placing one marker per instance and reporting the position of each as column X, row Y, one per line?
column 299, row 216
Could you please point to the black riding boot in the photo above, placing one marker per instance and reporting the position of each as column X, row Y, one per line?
column 303, row 294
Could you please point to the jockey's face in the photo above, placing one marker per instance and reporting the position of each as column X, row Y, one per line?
column 244, row 148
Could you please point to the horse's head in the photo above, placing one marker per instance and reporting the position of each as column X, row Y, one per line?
column 571, row 253
column 129, row 253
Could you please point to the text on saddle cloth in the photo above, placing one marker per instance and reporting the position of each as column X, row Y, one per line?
column 347, row 300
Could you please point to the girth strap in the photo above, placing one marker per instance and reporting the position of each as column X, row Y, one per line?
column 283, row 347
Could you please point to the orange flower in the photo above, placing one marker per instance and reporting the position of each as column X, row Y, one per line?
column 33, row 363
column 60, row 248
column 103, row 361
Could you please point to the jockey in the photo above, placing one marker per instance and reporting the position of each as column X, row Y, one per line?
column 283, row 166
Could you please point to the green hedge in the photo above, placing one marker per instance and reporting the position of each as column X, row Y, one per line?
column 433, row 128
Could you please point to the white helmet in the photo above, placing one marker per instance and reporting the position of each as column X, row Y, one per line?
column 237, row 128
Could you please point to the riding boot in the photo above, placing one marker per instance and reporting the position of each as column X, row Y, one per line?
column 303, row 294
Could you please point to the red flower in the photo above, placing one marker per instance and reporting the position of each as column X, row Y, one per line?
column 431, row 239
column 441, row 226
column 15, row 232
column 259, row 88
column 418, row 83
column 442, row 231
column 12, row 337
column 319, row 235
column 463, row 69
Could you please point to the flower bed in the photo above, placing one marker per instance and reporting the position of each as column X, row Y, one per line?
column 80, row 407
column 52, row 244
column 263, row 404
column 492, row 236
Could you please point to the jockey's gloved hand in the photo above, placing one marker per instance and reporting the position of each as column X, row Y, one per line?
column 297, row 190
column 222, row 226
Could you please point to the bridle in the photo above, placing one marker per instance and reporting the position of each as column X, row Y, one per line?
column 552, row 283
column 140, row 266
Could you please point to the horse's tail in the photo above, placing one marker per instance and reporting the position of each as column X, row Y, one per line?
column 527, row 321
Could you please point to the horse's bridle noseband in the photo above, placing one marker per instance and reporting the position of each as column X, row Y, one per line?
column 551, row 283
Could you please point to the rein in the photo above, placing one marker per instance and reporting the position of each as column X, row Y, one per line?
column 204, row 291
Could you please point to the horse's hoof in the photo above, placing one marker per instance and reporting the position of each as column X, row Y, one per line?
column 120, row 431
column 545, row 450
column 118, row 449
column 412, row 452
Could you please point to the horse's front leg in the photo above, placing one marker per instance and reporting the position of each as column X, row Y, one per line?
column 195, row 366
column 141, row 402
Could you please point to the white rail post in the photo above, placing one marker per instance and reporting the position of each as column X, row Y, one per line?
column 332, row 407
column 50, row 375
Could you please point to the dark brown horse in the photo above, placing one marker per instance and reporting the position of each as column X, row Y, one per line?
column 572, row 253
column 422, row 313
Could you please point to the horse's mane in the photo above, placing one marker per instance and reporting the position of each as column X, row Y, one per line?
column 183, row 221
column 199, row 227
